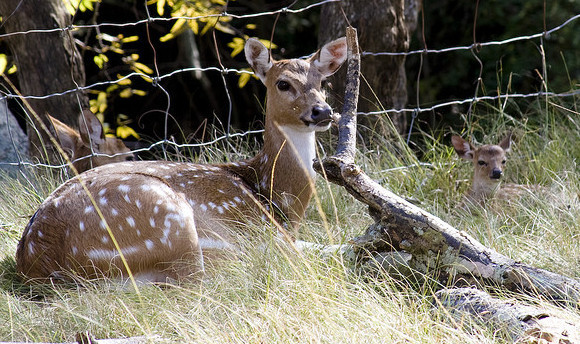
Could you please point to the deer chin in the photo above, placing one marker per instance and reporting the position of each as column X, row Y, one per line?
column 321, row 125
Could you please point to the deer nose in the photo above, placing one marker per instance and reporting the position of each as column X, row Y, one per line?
column 321, row 114
column 496, row 173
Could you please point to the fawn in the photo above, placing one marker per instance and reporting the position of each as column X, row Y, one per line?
column 89, row 147
column 159, row 221
column 488, row 167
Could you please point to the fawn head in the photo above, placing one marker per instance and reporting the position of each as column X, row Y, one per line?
column 81, row 146
column 488, row 160
column 295, row 97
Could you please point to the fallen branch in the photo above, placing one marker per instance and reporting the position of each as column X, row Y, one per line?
column 87, row 338
column 521, row 323
column 432, row 246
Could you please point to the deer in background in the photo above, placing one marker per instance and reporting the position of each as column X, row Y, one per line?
column 162, row 221
column 89, row 147
column 488, row 168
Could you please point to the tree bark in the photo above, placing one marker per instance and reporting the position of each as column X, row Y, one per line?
column 48, row 62
column 521, row 323
column 383, row 25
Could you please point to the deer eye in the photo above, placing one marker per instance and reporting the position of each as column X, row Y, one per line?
column 283, row 85
column 482, row 163
column 503, row 162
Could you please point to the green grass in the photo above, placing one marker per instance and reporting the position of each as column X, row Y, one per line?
column 272, row 295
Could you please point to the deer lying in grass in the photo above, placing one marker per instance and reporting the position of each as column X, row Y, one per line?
column 89, row 147
column 166, row 220
column 488, row 168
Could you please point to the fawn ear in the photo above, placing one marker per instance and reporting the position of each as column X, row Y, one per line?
column 463, row 148
column 506, row 143
column 67, row 137
column 91, row 129
column 258, row 57
column 330, row 57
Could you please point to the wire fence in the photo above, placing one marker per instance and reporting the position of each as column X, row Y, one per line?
column 155, row 79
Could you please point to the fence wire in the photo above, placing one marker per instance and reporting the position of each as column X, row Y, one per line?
column 225, row 70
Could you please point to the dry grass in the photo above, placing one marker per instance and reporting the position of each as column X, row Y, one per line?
column 273, row 295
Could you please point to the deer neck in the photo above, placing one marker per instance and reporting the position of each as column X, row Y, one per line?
column 483, row 189
column 282, row 173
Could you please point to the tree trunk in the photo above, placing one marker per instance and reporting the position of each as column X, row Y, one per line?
column 383, row 25
column 48, row 62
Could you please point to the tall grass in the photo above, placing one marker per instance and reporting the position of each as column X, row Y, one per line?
column 271, row 294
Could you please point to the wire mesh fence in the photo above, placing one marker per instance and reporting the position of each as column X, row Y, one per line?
column 155, row 78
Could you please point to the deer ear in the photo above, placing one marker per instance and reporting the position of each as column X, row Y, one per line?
column 66, row 136
column 463, row 148
column 330, row 57
column 91, row 129
column 258, row 57
column 506, row 143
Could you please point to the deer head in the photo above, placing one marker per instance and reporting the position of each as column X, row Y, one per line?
column 488, row 164
column 89, row 147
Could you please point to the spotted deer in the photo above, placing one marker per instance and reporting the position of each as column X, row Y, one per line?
column 488, row 168
column 89, row 147
column 158, row 221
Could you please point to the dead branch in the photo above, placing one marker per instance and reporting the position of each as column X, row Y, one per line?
column 87, row 338
column 432, row 247
column 521, row 323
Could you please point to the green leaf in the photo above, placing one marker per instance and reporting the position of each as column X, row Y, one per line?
column 3, row 63
column 126, row 131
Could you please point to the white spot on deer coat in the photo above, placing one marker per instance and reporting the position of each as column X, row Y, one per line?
column 102, row 201
column 152, row 222
column 124, row 188
column 89, row 209
column 203, row 207
column 149, row 244
column 114, row 212
column 102, row 192
column 82, row 226
column 131, row 221
column 102, row 254
column 126, row 198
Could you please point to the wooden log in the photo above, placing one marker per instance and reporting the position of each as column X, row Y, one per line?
column 519, row 322
column 87, row 338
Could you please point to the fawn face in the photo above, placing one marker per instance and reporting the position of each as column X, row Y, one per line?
column 90, row 139
column 488, row 162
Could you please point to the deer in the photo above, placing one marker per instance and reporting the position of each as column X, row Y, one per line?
column 489, row 163
column 89, row 147
column 160, row 221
